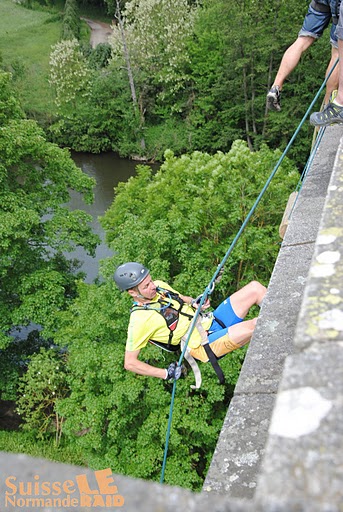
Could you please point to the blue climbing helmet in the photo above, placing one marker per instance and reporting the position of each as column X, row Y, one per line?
column 129, row 275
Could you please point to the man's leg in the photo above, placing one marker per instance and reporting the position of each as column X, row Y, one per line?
column 289, row 61
column 251, row 294
column 332, row 82
column 240, row 334
column 333, row 112
column 227, row 340
column 291, row 58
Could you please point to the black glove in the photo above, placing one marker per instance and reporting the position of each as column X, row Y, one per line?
column 196, row 302
column 174, row 371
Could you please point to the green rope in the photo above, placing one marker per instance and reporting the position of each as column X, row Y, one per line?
column 209, row 289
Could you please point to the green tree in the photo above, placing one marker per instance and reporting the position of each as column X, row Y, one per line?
column 37, row 227
column 191, row 209
column 233, row 66
column 154, row 41
column 39, row 389
column 69, row 75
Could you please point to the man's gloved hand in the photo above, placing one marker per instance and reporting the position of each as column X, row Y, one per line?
column 174, row 371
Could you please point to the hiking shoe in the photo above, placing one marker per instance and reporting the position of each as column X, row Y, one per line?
column 331, row 114
column 273, row 98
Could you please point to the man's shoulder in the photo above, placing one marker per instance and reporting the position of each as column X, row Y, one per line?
column 162, row 284
column 165, row 286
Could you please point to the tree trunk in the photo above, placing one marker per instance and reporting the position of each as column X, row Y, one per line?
column 129, row 71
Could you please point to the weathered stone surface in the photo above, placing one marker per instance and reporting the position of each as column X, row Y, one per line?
column 322, row 315
column 240, row 447
column 303, row 464
column 273, row 337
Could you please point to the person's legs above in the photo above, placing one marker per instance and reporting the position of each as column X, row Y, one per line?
column 333, row 66
column 314, row 24
column 289, row 61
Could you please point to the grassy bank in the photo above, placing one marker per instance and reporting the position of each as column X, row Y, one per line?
column 26, row 37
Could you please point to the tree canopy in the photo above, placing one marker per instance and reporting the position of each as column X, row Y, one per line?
column 37, row 227
column 200, row 79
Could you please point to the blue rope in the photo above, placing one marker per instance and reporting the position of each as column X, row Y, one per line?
column 210, row 287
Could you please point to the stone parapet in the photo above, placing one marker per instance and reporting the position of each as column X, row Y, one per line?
column 303, row 463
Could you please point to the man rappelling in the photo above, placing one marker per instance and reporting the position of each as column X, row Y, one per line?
column 162, row 316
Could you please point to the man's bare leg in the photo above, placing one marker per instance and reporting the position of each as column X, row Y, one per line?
column 251, row 294
column 291, row 58
column 332, row 83
column 241, row 333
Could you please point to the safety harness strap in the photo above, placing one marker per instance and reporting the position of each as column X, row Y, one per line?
column 165, row 346
column 211, row 356
column 214, row 362
column 193, row 364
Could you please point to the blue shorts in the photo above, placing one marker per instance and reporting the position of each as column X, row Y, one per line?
column 315, row 23
column 227, row 316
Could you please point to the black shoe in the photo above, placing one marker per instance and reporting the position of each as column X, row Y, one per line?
column 331, row 114
column 273, row 98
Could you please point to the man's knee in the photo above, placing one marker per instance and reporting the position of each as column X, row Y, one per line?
column 257, row 289
column 302, row 43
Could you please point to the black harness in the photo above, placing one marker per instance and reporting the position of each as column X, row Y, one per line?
column 171, row 316
column 169, row 313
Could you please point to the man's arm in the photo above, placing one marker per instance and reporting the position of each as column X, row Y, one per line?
column 133, row 364
column 189, row 300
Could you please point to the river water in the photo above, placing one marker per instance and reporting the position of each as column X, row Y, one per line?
column 108, row 170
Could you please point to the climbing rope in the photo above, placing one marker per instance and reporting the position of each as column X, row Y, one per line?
column 216, row 276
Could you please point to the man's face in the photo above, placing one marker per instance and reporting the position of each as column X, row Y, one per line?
column 147, row 288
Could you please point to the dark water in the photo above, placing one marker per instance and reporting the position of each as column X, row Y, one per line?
column 108, row 170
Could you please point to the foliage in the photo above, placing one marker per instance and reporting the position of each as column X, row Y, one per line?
column 69, row 74
column 190, row 211
column 232, row 68
column 24, row 442
column 14, row 360
column 152, row 30
column 71, row 20
column 89, row 127
column 36, row 226
column 100, row 56
column 39, row 389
